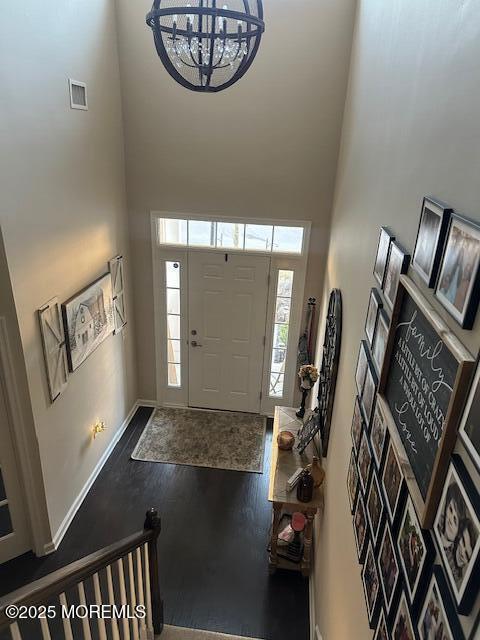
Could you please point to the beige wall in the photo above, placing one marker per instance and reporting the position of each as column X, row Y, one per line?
column 63, row 215
column 411, row 128
column 266, row 147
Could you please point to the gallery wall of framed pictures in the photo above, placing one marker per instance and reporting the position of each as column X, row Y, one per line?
column 415, row 507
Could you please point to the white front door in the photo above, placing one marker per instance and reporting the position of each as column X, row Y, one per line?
column 14, row 535
column 227, row 316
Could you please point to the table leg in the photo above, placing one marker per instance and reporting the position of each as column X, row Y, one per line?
column 277, row 513
column 307, row 543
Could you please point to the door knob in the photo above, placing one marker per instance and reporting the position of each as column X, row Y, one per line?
column 194, row 343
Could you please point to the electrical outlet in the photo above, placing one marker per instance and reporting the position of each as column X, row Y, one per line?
column 317, row 633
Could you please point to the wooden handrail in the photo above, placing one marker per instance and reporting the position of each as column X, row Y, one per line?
column 55, row 583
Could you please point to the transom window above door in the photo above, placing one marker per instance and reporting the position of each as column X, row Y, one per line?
column 225, row 234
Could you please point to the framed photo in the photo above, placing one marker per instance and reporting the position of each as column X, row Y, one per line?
column 357, row 426
column 374, row 508
column 364, row 462
column 352, row 482
column 382, row 631
column 380, row 340
column 388, row 568
column 360, row 529
column 397, row 263
column 457, row 531
column 371, row 586
column 438, row 617
column 402, row 626
column 88, row 320
column 458, row 285
column 414, row 549
column 378, row 435
column 374, row 304
column 362, row 366
column 392, row 481
column 431, row 234
column 368, row 395
column 383, row 247
column 469, row 426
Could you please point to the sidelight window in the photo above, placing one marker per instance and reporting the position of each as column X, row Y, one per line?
column 172, row 295
column 283, row 302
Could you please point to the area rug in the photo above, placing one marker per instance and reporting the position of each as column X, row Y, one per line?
column 179, row 633
column 216, row 439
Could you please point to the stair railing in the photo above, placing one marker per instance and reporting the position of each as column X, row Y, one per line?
column 116, row 588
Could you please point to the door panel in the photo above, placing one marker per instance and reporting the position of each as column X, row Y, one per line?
column 227, row 310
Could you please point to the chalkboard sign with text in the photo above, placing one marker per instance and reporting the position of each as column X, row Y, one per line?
column 423, row 383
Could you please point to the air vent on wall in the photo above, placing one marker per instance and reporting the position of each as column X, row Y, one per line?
column 78, row 94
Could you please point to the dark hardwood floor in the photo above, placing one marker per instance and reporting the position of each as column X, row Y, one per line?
column 213, row 559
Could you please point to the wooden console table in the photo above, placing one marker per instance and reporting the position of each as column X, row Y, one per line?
column 282, row 466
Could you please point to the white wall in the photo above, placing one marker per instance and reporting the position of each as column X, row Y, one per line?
column 411, row 128
column 63, row 213
column 266, row 147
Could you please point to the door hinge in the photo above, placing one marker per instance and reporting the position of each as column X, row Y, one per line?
column 268, row 280
column 261, row 395
column 264, row 340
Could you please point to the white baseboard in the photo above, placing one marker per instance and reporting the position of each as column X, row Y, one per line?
column 146, row 403
column 62, row 530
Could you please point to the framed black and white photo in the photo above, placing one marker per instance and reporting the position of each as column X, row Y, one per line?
column 457, row 532
column 357, row 426
column 374, row 508
column 383, row 248
column 368, row 395
column 364, row 462
column 414, row 550
column 388, row 569
column 362, row 366
column 374, row 304
column 381, row 632
column 469, row 426
column 458, row 286
column 360, row 529
column 378, row 434
column 397, row 263
column 402, row 627
column 380, row 340
column 371, row 587
column 392, row 481
column 438, row 617
column 352, row 482
column 431, row 234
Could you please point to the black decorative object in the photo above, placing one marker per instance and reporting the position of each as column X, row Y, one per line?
column 329, row 369
column 308, row 431
column 204, row 45
column 301, row 412
column 305, row 487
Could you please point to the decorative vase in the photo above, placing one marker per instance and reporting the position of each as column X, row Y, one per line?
column 316, row 471
column 301, row 412
column 305, row 487
column 285, row 440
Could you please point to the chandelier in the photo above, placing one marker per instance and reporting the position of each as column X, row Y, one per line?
column 203, row 46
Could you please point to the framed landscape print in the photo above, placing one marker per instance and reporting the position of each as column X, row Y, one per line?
column 371, row 586
column 374, row 508
column 438, row 617
column 380, row 340
column 360, row 529
column 402, row 626
column 392, row 480
column 457, row 532
column 414, row 550
column 388, row 568
column 458, row 286
column 383, row 248
column 470, row 424
column 88, row 320
column 432, row 230
column 397, row 263
column 357, row 426
column 422, row 389
column 352, row 482
column 374, row 304
column 364, row 461
column 381, row 632
column 362, row 366
column 378, row 435
column 368, row 395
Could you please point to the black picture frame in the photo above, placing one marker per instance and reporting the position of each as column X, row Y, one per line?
column 469, row 431
column 352, row 482
column 374, row 304
column 458, row 284
column 397, row 264
column 388, row 569
column 381, row 632
column 438, row 599
column 380, row 340
column 369, row 393
column 357, row 426
column 383, row 248
column 392, row 482
column 403, row 617
column 364, row 462
column 431, row 234
column 362, row 365
column 371, row 587
column 458, row 538
column 378, row 435
column 360, row 529
column 375, row 508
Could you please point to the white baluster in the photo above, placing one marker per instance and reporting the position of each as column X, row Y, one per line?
column 111, row 598
column 133, row 597
column 123, row 598
column 45, row 630
column 83, row 601
column 147, row 592
column 141, row 594
column 15, row 631
column 67, row 627
column 102, row 631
